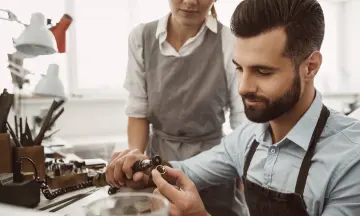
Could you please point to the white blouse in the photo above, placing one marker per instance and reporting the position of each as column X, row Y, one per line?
column 137, row 103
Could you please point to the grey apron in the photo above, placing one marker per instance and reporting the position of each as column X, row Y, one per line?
column 186, row 100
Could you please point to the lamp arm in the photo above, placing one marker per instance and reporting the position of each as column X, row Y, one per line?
column 23, row 72
column 11, row 17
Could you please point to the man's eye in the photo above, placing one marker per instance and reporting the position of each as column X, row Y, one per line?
column 239, row 69
column 264, row 73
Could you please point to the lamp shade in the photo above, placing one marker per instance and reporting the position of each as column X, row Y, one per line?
column 36, row 39
column 50, row 85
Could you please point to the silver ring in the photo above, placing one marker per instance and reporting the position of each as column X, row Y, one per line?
column 161, row 169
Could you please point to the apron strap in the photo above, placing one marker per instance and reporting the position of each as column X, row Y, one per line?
column 306, row 163
column 250, row 155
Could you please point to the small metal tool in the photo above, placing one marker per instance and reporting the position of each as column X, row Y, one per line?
column 144, row 164
column 141, row 165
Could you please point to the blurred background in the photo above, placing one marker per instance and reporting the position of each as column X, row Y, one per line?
column 93, row 67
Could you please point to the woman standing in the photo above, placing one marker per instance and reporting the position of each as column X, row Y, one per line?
column 180, row 80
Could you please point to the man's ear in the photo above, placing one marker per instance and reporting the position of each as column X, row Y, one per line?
column 313, row 64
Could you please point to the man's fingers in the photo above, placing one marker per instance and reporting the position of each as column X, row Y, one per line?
column 119, row 154
column 165, row 188
column 184, row 201
column 113, row 156
column 131, row 158
column 141, row 177
column 139, row 181
column 134, row 185
column 119, row 174
column 123, row 165
column 157, row 192
column 173, row 210
column 110, row 174
column 157, row 204
column 181, row 179
column 111, row 167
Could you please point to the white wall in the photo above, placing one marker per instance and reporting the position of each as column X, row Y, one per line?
column 100, row 121
column 88, row 120
column 352, row 41
column 85, row 119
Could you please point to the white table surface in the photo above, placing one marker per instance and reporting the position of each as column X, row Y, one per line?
column 77, row 208
column 58, row 145
column 18, row 211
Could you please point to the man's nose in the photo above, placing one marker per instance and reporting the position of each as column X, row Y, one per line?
column 246, row 83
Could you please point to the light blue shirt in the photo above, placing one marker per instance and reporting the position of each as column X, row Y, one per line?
column 333, row 183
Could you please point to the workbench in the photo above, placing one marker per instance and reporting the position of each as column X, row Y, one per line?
column 74, row 209
column 77, row 208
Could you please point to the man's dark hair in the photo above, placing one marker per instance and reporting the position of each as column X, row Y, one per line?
column 302, row 20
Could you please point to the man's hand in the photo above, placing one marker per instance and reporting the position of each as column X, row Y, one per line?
column 183, row 202
column 119, row 170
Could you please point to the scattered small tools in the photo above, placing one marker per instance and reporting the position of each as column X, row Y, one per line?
column 6, row 101
column 22, row 135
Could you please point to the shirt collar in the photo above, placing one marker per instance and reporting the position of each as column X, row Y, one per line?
column 301, row 133
column 210, row 23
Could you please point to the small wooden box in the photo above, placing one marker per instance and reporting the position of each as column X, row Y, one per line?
column 35, row 153
column 55, row 182
column 6, row 153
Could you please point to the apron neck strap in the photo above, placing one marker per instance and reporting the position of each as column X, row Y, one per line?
column 306, row 163
column 249, row 156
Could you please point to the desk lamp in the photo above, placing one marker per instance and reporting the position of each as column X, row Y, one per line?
column 50, row 85
column 59, row 31
column 36, row 39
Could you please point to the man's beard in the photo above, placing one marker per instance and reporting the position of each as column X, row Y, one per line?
column 273, row 109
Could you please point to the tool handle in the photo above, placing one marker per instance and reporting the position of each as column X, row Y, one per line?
column 142, row 165
column 156, row 160
column 138, row 166
column 52, row 121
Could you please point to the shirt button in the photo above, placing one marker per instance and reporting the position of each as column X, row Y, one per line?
column 272, row 150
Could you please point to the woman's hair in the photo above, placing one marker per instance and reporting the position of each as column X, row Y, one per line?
column 213, row 12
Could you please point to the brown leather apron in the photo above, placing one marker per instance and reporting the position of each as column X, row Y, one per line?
column 262, row 201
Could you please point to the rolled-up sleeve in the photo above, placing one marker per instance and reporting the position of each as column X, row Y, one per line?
column 135, row 82
column 212, row 167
